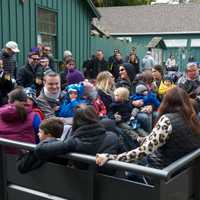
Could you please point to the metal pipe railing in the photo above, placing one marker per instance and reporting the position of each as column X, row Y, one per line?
column 182, row 162
column 92, row 160
column 164, row 173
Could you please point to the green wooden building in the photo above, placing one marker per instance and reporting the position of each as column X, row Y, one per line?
column 177, row 25
column 62, row 24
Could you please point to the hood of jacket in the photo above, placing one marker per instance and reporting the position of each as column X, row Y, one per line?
column 90, row 133
column 130, row 71
column 9, row 114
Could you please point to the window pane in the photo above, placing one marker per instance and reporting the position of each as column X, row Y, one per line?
column 47, row 40
column 46, row 21
column 176, row 43
column 195, row 43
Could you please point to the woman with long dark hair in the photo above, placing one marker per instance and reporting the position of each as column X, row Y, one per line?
column 176, row 133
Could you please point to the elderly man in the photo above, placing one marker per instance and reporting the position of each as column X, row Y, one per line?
column 191, row 81
column 8, row 58
column 50, row 96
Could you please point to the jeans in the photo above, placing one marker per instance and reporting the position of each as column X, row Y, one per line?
column 146, row 120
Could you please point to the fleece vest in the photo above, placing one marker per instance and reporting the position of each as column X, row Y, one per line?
column 181, row 142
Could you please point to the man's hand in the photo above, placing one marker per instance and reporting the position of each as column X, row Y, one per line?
column 38, row 81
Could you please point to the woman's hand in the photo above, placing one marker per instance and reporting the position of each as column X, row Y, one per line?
column 101, row 159
column 117, row 117
column 148, row 109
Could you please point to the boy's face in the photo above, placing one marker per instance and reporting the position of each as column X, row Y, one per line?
column 118, row 98
column 167, row 83
column 42, row 135
column 73, row 95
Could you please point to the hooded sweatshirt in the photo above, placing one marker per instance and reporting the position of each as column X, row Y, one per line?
column 12, row 128
column 74, row 76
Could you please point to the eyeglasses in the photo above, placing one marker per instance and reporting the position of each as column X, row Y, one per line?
column 121, row 70
column 34, row 58
column 47, row 49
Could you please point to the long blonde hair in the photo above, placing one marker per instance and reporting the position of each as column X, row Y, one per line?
column 105, row 83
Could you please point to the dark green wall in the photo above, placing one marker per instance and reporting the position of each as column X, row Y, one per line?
column 18, row 22
column 109, row 44
column 141, row 42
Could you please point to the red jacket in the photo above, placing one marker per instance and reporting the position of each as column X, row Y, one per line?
column 99, row 107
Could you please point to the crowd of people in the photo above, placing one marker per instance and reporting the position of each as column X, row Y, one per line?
column 122, row 109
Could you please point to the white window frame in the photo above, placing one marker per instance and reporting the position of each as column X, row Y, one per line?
column 195, row 43
column 176, row 43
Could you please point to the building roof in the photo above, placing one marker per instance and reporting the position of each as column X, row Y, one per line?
column 157, row 42
column 151, row 19
column 94, row 10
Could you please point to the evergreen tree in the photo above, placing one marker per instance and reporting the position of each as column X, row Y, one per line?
column 106, row 3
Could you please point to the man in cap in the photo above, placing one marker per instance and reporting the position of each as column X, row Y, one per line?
column 8, row 58
column 67, row 55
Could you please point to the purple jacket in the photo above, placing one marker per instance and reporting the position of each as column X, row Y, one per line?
column 12, row 128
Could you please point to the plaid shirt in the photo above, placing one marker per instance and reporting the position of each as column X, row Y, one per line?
column 9, row 62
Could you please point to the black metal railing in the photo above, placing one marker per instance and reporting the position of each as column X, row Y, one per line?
column 163, row 175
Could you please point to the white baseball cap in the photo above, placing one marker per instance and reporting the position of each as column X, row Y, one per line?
column 67, row 53
column 13, row 46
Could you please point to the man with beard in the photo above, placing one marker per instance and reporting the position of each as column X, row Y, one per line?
column 31, row 74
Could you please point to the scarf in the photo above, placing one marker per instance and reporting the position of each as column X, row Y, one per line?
column 50, row 95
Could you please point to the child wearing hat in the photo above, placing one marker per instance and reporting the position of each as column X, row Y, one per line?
column 74, row 95
column 31, row 95
column 143, row 98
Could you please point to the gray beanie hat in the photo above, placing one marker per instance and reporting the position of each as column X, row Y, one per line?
column 140, row 89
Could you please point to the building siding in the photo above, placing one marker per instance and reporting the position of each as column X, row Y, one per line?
column 141, row 43
column 109, row 44
column 18, row 22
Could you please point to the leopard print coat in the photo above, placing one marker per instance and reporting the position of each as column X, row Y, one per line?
column 157, row 138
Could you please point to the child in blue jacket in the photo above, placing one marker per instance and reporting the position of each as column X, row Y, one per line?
column 74, row 94
column 146, row 98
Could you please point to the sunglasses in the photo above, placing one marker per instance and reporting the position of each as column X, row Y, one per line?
column 35, row 58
